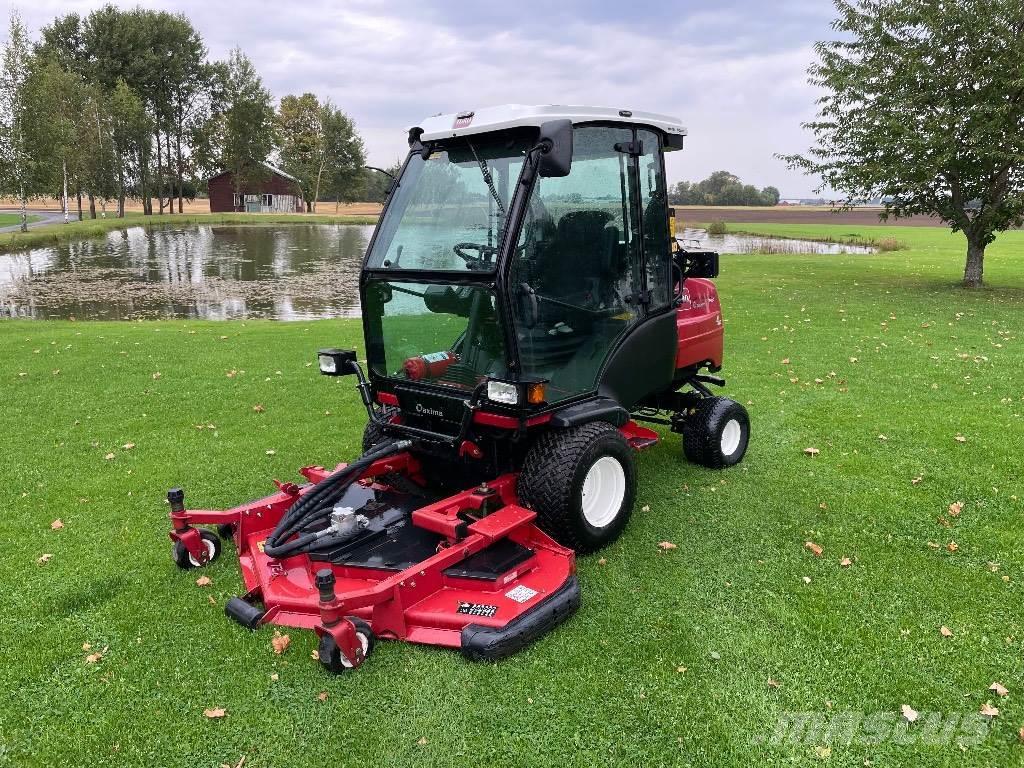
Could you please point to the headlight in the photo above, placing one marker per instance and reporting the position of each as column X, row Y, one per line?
column 336, row 362
column 328, row 364
column 503, row 392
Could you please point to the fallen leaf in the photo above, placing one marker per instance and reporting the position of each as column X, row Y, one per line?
column 86, row 646
column 92, row 658
column 916, row 480
column 275, row 677
column 952, row 546
column 846, row 562
column 945, row 631
column 645, row 508
column 128, row 446
column 772, row 683
column 883, row 438
column 987, row 710
column 215, row 713
column 823, row 752
column 314, row 655
column 681, row 669
column 57, row 524
column 715, row 656
column 422, row 741
column 204, row 581
column 271, row 452
column 853, row 359
column 816, row 549
column 109, row 456
column 322, row 696
column 43, row 559
column 960, row 439
column 909, row 713
column 666, row 545
column 280, row 643
column 785, row 361
column 258, row 408
column 1020, row 735
column 806, row 579
column 956, row 508
column 823, row 505
column 156, row 375
column 811, row 451
column 602, row 561
column 999, row 689
column 211, row 599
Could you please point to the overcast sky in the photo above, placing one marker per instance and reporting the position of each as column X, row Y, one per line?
column 735, row 72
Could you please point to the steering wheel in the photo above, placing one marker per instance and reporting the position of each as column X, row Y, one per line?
column 486, row 254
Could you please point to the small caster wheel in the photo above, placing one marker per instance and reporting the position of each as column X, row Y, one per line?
column 226, row 531
column 184, row 560
column 331, row 656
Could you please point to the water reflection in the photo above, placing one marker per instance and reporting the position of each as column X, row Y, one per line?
column 292, row 272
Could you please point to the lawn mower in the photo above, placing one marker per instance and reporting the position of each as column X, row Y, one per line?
column 526, row 310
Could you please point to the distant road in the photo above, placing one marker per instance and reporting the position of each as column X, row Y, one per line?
column 795, row 214
column 41, row 217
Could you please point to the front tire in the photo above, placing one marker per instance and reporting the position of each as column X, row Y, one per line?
column 716, row 435
column 372, row 433
column 581, row 482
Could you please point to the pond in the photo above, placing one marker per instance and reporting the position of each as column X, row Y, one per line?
column 282, row 272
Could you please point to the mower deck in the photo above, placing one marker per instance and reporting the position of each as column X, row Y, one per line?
column 469, row 571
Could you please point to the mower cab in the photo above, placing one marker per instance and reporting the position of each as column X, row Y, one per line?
column 525, row 308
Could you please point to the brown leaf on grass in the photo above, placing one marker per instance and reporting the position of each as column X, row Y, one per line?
column 883, row 438
column 204, row 581
column 211, row 599
column 853, row 359
column 275, row 677
column 45, row 558
column 666, row 545
column 785, row 361
column 811, row 451
column 1020, row 735
column 945, row 631
column 681, row 669
column 128, row 446
column 917, row 480
column 956, row 508
column 422, row 741
column 987, row 710
column 271, row 452
column 999, row 689
column 823, row 505
column 602, row 561
column 280, row 643
column 57, row 524
column 823, row 751
column 215, row 713
column 846, row 562
column 815, row 548
column 92, row 658
column 86, row 646
column 960, row 439
column 806, row 579
column 109, row 456
column 772, row 683
column 952, row 546
column 322, row 696
column 258, row 408
column 909, row 713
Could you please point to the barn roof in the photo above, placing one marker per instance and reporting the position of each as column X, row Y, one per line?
column 269, row 166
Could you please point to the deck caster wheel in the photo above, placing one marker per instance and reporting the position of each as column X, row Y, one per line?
column 716, row 435
column 184, row 560
column 330, row 654
column 581, row 482
column 226, row 531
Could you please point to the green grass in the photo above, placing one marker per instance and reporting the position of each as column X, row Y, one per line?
column 900, row 352
column 89, row 228
column 10, row 219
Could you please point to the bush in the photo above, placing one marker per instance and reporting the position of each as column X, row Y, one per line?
column 717, row 227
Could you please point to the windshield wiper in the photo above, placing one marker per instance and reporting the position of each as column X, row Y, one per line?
column 487, row 178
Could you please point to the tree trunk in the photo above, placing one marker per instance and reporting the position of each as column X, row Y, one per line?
column 92, row 206
column 975, row 264
column 177, row 142
column 170, row 174
column 78, row 194
column 24, row 212
column 159, row 172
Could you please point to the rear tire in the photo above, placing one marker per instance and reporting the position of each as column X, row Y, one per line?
column 581, row 482
column 373, row 434
column 716, row 435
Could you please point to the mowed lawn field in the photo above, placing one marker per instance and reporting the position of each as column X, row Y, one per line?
column 908, row 386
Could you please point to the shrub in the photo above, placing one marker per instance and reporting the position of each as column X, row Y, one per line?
column 717, row 227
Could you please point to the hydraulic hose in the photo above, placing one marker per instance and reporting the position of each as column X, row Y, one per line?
column 316, row 505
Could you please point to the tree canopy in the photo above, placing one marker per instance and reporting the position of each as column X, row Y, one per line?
column 923, row 107
column 721, row 188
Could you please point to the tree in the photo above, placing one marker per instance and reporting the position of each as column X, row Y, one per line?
column 242, row 131
column 721, row 188
column 923, row 107
column 347, row 157
column 130, row 130
column 19, row 160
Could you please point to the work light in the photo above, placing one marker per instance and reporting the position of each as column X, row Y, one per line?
column 336, row 362
column 503, row 392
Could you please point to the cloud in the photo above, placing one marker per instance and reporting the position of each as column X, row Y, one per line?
column 734, row 72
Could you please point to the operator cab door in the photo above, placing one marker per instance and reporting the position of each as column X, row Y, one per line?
column 577, row 279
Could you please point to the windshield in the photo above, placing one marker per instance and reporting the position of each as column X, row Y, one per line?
column 434, row 334
column 450, row 209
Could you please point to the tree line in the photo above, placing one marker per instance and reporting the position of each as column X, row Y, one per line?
column 125, row 104
column 721, row 188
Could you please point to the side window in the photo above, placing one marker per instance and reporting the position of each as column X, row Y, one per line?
column 574, row 280
column 654, row 206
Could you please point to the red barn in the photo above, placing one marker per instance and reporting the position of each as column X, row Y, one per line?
column 277, row 192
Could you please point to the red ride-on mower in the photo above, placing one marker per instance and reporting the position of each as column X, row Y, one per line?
column 525, row 308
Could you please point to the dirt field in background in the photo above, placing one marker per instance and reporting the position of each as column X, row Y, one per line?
column 795, row 214
column 194, row 207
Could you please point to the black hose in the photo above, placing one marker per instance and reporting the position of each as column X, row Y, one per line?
column 318, row 503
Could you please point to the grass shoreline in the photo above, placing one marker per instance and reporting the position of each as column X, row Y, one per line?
column 52, row 234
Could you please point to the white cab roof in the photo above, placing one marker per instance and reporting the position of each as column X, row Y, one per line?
column 517, row 115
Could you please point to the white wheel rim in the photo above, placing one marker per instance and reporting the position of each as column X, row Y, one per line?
column 604, row 488
column 210, row 549
column 363, row 641
column 731, row 435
